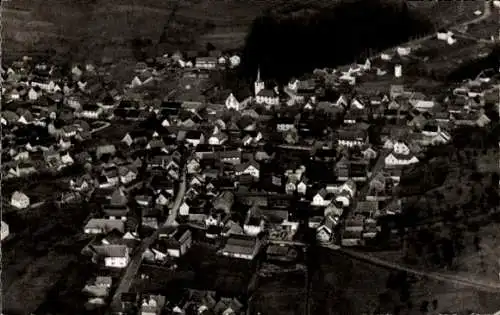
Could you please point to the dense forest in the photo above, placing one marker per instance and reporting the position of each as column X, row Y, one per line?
column 296, row 39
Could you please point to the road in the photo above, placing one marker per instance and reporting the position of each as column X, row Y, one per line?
column 485, row 15
column 135, row 262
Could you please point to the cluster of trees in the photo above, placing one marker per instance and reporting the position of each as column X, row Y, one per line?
column 296, row 40
column 438, row 219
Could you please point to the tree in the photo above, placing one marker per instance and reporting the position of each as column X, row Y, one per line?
column 209, row 47
column 434, row 304
column 424, row 307
column 477, row 243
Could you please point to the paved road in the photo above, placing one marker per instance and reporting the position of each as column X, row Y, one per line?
column 485, row 286
column 135, row 262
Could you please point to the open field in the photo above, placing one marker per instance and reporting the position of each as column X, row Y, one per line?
column 362, row 288
column 281, row 294
column 444, row 14
column 35, row 267
column 94, row 28
column 485, row 29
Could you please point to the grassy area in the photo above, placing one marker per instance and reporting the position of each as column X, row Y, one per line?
column 35, row 267
column 66, row 295
column 35, row 280
column 94, row 28
column 443, row 13
column 484, row 29
column 282, row 294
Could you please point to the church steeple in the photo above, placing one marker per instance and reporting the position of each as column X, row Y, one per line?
column 258, row 84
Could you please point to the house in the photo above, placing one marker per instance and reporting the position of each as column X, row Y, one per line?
column 22, row 156
column 241, row 246
column 105, row 149
column 4, row 231
column 322, row 198
column 254, row 224
column 232, row 103
column 369, row 153
column 162, row 198
column 471, row 119
column 395, row 159
column 251, row 167
column 230, row 156
column 22, row 169
column 267, row 97
column 208, row 63
column 231, row 227
column 177, row 240
column 184, row 209
column 20, row 200
column 370, row 228
column 83, row 183
column 343, row 198
column 33, row 94
column 193, row 166
column 194, row 137
column 218, row 138
column 325, row 231
column 115, row 256
column 366, row 208
column 152, row 305
column 67, row 160
column 90, row 111
column 102, row 226
column 352, row 137
column 99, row 288
column 127, row 174
column 335, row 208
column 422, row 104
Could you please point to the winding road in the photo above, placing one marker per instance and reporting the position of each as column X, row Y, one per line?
column 135, row 262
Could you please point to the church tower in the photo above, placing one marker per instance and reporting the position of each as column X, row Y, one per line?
column 258, row 84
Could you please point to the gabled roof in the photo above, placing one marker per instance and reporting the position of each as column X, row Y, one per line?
column 267, row 93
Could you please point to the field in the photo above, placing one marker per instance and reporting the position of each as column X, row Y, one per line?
column 281, row 294
column 35, row 267
column 352, row 287
column 93, row 28
column 485, row 29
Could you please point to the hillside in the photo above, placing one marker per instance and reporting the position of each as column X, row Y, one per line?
column 89, row 29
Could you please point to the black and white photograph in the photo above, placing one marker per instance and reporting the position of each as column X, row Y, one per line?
column 250, row 157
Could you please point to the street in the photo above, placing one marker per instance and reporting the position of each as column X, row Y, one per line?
column 136, row 260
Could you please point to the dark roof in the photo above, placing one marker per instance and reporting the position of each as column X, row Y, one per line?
column 193, row 134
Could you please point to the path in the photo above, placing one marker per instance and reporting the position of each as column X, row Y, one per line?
column 135, row 262
column 485, row 15
column 485, row 286
column 105, row 125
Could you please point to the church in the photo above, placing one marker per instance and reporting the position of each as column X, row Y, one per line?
column 265, row 96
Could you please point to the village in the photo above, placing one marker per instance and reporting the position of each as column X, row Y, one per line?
column 176, row 167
